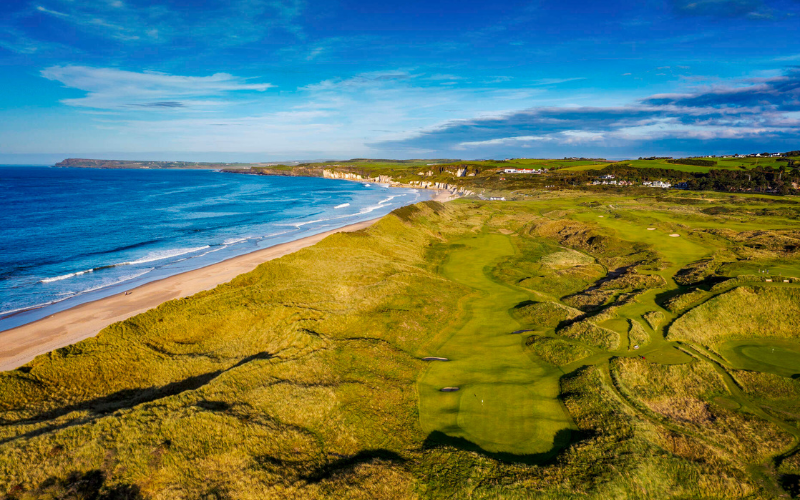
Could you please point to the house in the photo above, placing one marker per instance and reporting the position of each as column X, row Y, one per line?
column 524, row 171
column 657, row 184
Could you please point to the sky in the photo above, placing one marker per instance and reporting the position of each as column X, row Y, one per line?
column 268, row 80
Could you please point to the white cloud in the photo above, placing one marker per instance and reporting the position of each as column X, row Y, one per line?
column 111, row 88
column 337, row 116
column 504, row 141
column 51, row 12
column 556, row 81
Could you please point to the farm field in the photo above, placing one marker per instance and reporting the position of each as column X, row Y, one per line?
column 602, row 346
column 725, row 163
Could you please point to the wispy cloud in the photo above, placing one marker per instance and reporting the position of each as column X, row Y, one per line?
column 556, row 81
column 51, row 12
column 218, row 23
column 337, row 116
column 752, row 9
column 110, row 88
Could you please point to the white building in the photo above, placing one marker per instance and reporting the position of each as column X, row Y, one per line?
column 657, row 184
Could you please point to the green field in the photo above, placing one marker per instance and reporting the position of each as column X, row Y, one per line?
column 729, row 163
column 308, row 377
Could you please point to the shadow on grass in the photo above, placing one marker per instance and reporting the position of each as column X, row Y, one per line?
column 124, row 399
column 89, row 485
column 348, row 463
column 791, row 484
column 661, row 298
column 563, row 438
column 303, row 470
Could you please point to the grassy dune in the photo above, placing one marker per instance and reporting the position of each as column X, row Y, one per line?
column 306, row 378
column 743, row 312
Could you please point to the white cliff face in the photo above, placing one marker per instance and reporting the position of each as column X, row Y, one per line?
column 385, row 179
column 331, row 174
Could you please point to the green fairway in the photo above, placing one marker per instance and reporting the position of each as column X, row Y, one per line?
column 778, row 356
column 632, row 226
column 507, row 402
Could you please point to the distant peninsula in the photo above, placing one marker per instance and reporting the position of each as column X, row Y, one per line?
column 91, row 163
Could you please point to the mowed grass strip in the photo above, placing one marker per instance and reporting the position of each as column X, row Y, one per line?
column 507, row 402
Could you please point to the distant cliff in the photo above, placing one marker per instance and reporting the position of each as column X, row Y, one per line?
column 90, row 163
column 287, row 171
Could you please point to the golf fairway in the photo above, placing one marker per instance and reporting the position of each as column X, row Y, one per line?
column 507, row 402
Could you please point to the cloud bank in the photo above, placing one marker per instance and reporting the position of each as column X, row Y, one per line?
column 746, row 110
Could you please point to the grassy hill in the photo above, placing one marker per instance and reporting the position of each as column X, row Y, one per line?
column 602, row 346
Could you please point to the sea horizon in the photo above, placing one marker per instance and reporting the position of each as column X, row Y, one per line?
column 69, row 236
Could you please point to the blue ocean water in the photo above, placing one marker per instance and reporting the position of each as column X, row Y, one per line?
column 68, row 236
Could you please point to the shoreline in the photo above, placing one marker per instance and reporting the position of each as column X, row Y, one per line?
column 23, row 343
column 86, row 320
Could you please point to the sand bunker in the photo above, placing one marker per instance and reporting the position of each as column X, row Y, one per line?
column 674, row 235
column 449, row 389
column 651, row 229
column 432, row 358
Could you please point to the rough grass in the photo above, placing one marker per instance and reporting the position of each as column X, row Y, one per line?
column 778, row 396
column 683, row 395
column 682, row 301
column 742, row 313
column 637, row 335
column 654, row 319
column 592, row 334
column 556, row 351
column 544, row 314
column 696, row 272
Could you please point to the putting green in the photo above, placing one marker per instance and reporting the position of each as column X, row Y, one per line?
column 787, row 268
column 778, row 356
column 668, row 355
column 507, row 401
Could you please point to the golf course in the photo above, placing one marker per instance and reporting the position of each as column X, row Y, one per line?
column 569, row 344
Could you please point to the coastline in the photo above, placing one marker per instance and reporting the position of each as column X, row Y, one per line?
column 23, row 343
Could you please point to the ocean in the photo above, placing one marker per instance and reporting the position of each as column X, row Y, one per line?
column 69, row 236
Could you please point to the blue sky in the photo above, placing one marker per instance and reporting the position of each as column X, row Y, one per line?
column 259, row 80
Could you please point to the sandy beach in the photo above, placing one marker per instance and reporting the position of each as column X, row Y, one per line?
column 20, row 345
